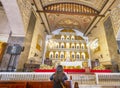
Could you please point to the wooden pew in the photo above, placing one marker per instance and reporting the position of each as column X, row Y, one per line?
column 45, row 84
column 12, row 84
column 40, row 84
column 29, row 84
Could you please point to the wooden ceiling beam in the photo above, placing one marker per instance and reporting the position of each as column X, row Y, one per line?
column 34, row 3
column 70, row 13
column 70, row 8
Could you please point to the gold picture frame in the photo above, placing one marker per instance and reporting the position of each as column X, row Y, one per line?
column 39, row 43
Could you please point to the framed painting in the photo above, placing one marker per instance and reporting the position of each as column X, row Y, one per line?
column 39, row 43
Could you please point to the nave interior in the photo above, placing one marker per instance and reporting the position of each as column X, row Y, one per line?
column 81, row 35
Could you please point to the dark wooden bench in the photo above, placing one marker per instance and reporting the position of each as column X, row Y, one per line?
column 13, row 84
column 29, row 84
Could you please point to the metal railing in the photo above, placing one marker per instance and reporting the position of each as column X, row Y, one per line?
column 104, row 79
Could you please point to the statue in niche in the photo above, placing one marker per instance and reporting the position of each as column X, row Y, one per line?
column 77, row 57
column 67, row 59
column 56, row 55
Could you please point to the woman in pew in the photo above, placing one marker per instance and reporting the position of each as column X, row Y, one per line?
column 58, row 77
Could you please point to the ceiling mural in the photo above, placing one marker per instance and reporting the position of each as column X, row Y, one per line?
column 67, row 22
column 76, row 14
column 79, row 22
column 96, row 4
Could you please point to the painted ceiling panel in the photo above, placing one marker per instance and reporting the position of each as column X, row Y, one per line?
column 96, row 4
column 78, row 21
column 67, row 21
column 75, row 14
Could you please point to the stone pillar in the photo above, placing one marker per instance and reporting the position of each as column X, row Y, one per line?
column 111, row 41
column 27, row 42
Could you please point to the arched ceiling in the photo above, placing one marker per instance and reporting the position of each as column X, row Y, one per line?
column 96, row 4
column 77, row 14
column 82, row 15
column 79, row 22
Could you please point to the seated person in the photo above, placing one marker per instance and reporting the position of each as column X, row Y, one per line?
column 58, row 77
